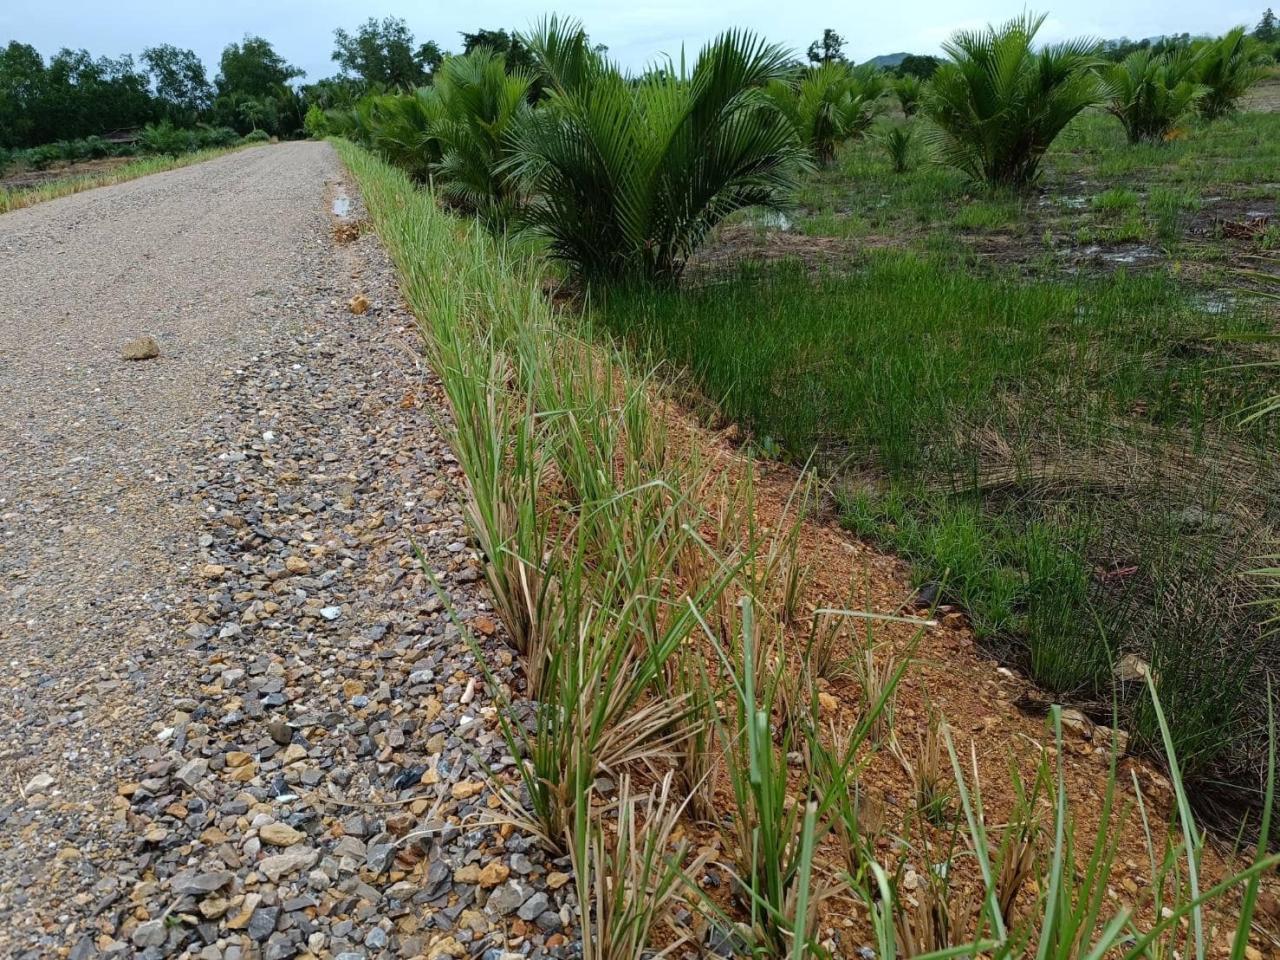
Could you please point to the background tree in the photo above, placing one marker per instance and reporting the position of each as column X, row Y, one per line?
column 430, row 56
column 382, row 52
column 179, row 82
column 1268, row 30
column 84, row 96
column 252, row 71
column 514, row 53
column 829, row 49
column 22, row 86
column 921, row 66
column 252, row 68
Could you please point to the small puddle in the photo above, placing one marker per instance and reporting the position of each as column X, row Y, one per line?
column 1128, row 255
column 342, row 206
column 1214, row 304
column 1066, row 203
column 774, row 220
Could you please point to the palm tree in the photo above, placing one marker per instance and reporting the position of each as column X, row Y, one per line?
column 252, row 112
column 826, row 105
column 627, row 177
column 1149, row 92
column 1227, row 68
column 998, row 104
column 480, row 104
column 402, row 127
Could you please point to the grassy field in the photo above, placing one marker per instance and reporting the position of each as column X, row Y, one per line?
column 1029, row 397
column 50, row 189
column 585, row 504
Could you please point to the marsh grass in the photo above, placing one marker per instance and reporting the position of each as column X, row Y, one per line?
column 862, row 195
column 1037, row 446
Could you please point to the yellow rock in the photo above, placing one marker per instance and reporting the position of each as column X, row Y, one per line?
column 556, row 880
column 358, row 304
column 280, row 834
column 448, row 947
column 212, row 571
column 297, row 565
column 237, row 758
column 241, row 919
column 295, row 752
column 466, row 789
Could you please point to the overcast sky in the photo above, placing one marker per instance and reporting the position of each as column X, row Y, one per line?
column 302, row 30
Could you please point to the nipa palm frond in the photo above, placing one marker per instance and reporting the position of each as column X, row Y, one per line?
column 999, row 104
column 629, row 176
column 1150, row 92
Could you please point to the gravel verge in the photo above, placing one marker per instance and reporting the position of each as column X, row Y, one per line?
column 240, row 723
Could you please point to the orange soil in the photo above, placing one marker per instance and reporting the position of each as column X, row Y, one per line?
column 977, row 697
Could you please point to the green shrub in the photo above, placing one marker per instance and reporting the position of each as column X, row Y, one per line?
column 256, row 136
column 1149, row 93
column 1226, row 68
column 165, row 138
column 210, row 138
column 627, row 177
column 315, row 123
column 401, row 127
column 999, row 104
column 826, row 104
column 44, row 156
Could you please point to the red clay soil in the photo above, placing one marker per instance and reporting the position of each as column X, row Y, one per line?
column 979, row 699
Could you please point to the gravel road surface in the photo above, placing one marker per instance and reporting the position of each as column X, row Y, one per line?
column 236, row 721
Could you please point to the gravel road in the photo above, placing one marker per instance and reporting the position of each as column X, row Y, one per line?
column 237, row 722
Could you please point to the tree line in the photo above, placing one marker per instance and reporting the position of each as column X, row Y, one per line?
column 74, row 95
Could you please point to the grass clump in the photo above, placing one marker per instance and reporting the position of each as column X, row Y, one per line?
column 1018, row 442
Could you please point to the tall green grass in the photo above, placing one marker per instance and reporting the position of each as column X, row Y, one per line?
column 906, row 359
column 1010, row 438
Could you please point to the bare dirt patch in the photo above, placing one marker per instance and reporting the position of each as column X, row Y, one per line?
column 25, row 179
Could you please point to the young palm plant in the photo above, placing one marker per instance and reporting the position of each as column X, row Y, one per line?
column 401, row 127
column 827, row 105
column 999, row 104
column 1149, row 93
column 481, row 102
column 899, row 144
column 908, row 89
column 1227, row 68
column 628, row 177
